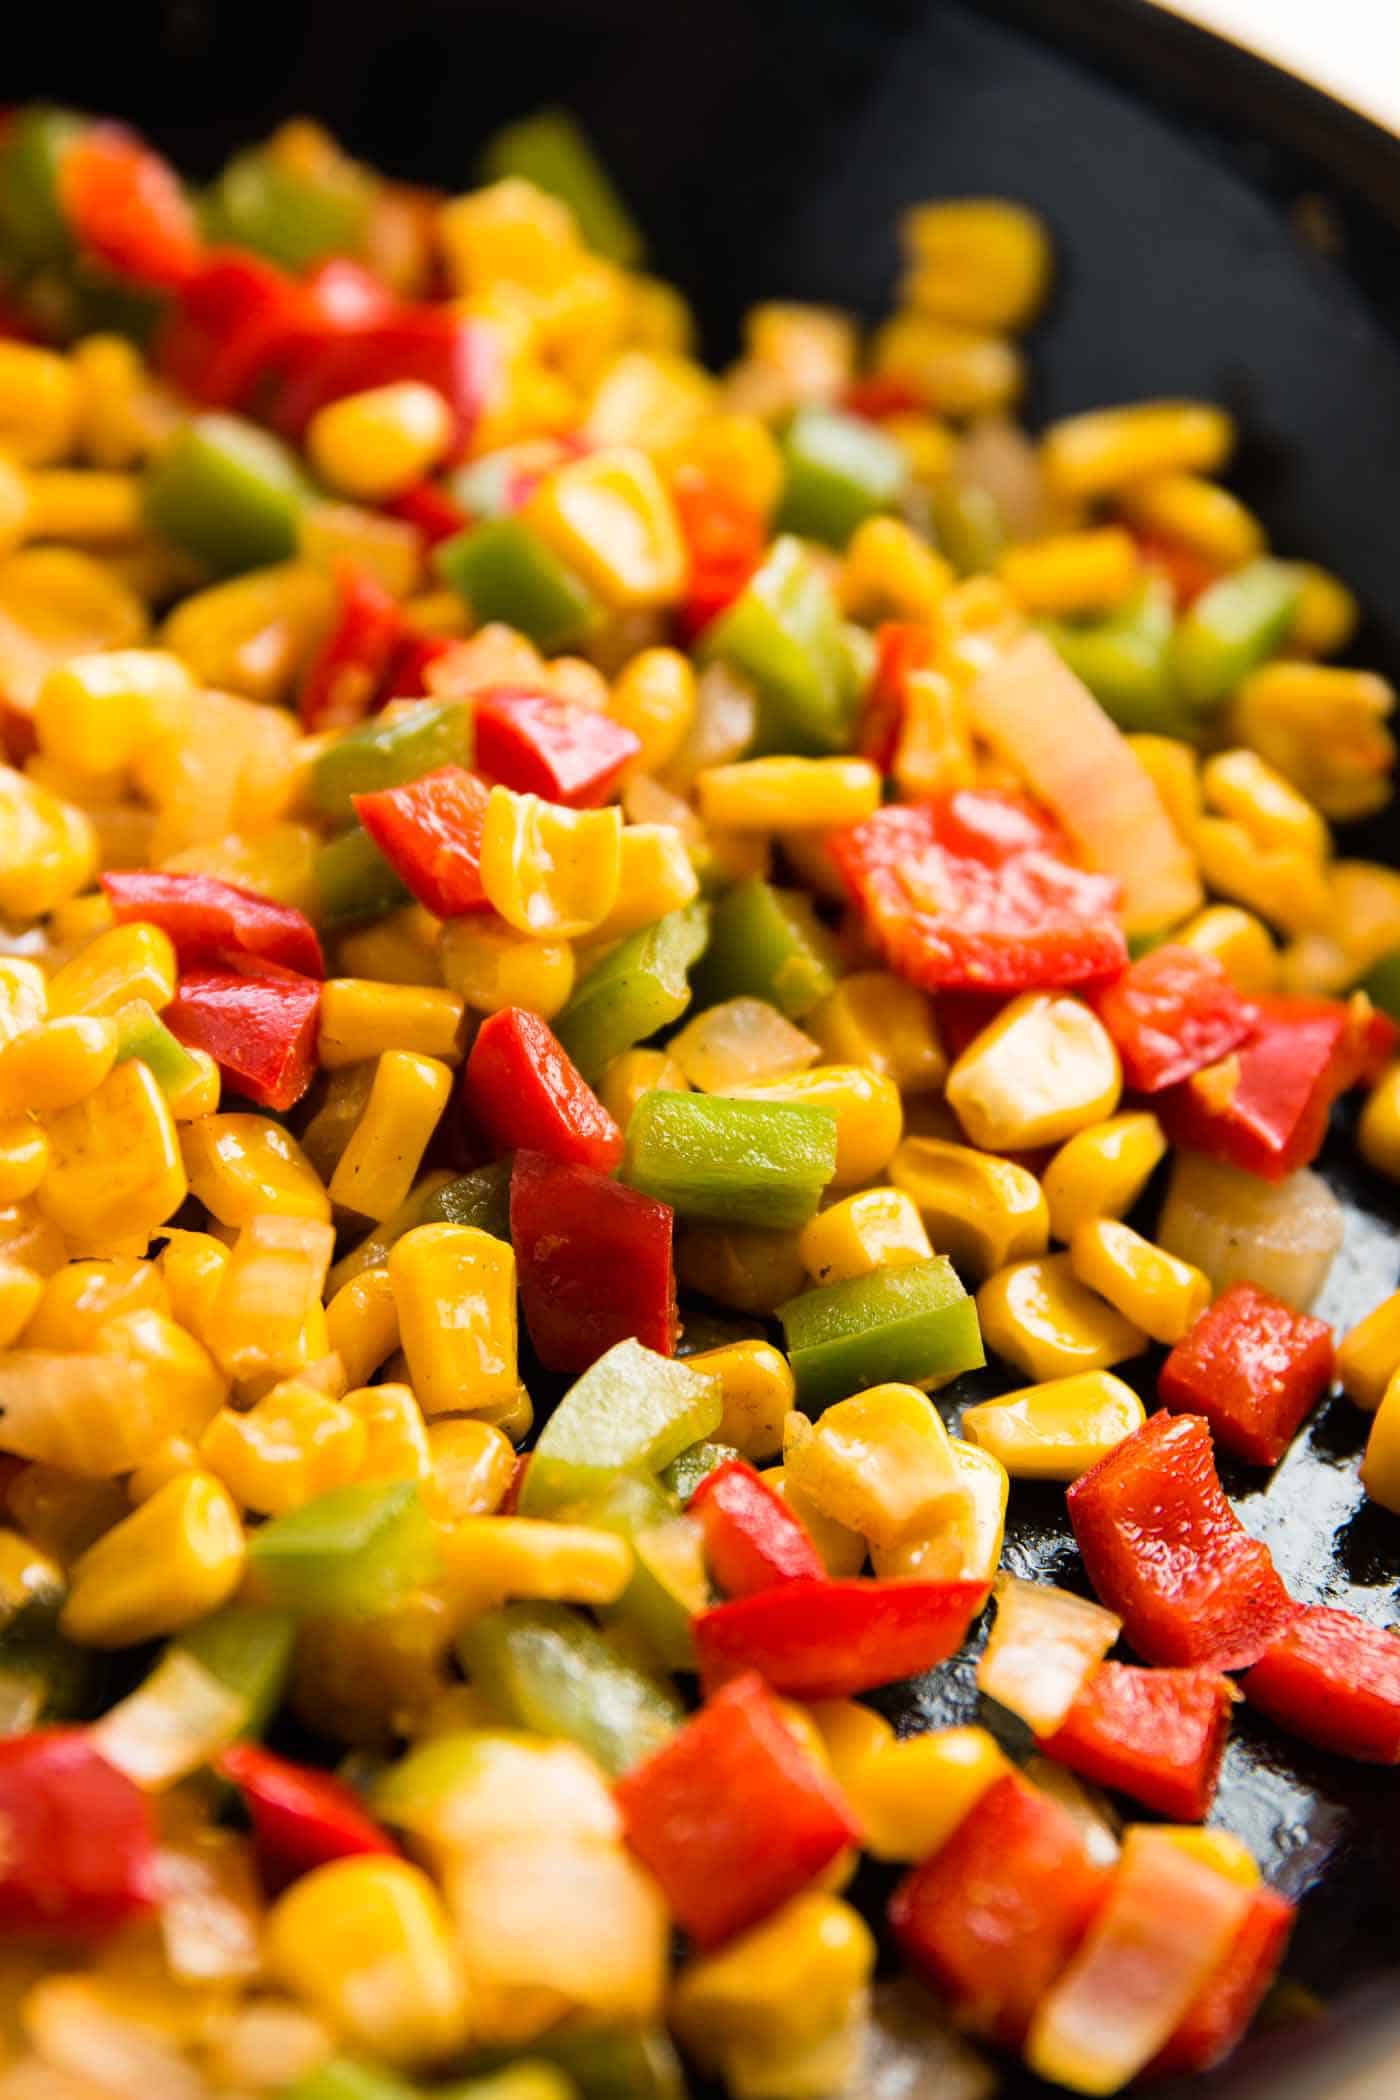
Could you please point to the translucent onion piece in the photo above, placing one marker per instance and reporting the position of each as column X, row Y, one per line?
column 210, row 1909
column 92, row 1415
column 1042, row 1646
column 997, row 457
column 78, row 2024
column 739, row 1043
column 22, row 1696
column 1089, row 1809
column 726, row 716
column 912, row 2052
column 170, row 1725
column 1281, row 1235
column 470, row 1787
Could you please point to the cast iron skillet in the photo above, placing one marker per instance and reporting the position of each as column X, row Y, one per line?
column 768, row 151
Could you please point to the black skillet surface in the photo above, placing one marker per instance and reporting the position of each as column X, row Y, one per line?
column 768, row 151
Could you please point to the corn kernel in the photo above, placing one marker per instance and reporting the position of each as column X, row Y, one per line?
column 1198, row 514
column 90, row 506
column 1058, row 1430
column 454, row 1287
column 551, row 872
column 366, row 1942
column 389, row 549
column 491, row 966
column 879, row 1463
column 889, row 573
column 1220, row 1850
column 910, row 1796
column 38, row 404
column 656, row 875
column 254, row 634
column 1106, row 449
column 776, row 1987
column 866, row 1109
column 1243, row 786
column 651, row 398
column 1100, row 1172
column 842, row 1550
column 609, row 516
column 980, row 261
column 1378, row 1130
column 56, row 1064
column 1286, row 886
column 967, row 371
column 164, row 1462
column 94, row 711
column 20, row 1292
column 269, row 1290
column 374, row 445
column 48, row 848
column 23, row 996
column 24, row 1158
column 360, row 1019
column 381, row 1159
column 472, row 1464
column 181, row 1379
column 1368, row 1356
column 122, row 964
column 1325, row 615
column 746, row 1267
column 1324, row 730
column 14, row 504
column 981, row 1211
column 976, row 1533
column 26, row 1237
column 172, row 1561
column 396, row 1436
column 761, row 794
column 738, row 452
column 362, row 1324
column 876, row 1229
column 403, row 948
column 1157, row 1292
column 292, row 1445
column 1043, row 1069
column 633, row 1073
column 1040, row 1317
column 1239, row 942
column 1380, row 1467
column 1073, row 572
column 933, row 751
column 488, row 1559
column 192, row 1265
column 112, row 426
column 115, row 1172
column 757, row 1392
column 241, row 1166
column 654, row 696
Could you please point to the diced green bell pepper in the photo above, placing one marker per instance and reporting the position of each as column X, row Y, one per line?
column 293, row 219
column 548, row 1668
column 684, row 1474
column 894, row 1326
column 1234, row 625
column 1125, row 660
column 354, row 881
column 380, row 754
column 736, row 1162
column 550, row 150
column 784, row 633
column 71, row 1682
column 1382, row 984
column 766, row 943
column 668, row 1585
column 840, row 471
column 631, row 1412
column 354, row 1551
column 142, row 1033
column 227, row 492
column 480, row 1198
column 344, row 2078
column 968, row 526
column 506, row 572
column 639, row 986
column 373, row 1250
column 249, row 1650
column 458, row 1788
column 33, row 230
column 605, row 2063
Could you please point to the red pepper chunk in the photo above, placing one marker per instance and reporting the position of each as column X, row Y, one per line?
column 79, row 1852
column 427, row 505
column 731, row 1815
column 1157, row 1735
column 1254, row 1368
column 432, row 344
column 1228, row 2000
column 212, row 921
column 301, row 1818
column 126, row 209
column 407, row 675
column 344, row 680
column 993, row 1916
column 725, row 538
column 527, row 1094
column 1171, row 1012
column 901, row 646
column 429, row 831
column 1264, row 1107
column 987, row 920
column 829, row 1640
column 1164, row 1549
column 1333, row 1679
column 260, row 1029
column 594, row 1261
column 555, row 748
column 752, row 1539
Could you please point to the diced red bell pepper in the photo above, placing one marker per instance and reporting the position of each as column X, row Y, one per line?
column 555, row 748
column 1229, row 1999
column 234, row 314
column 407, row 675
column 1265, row 1106
column 1333, row 1679
column 432, row 344
column 1374, row 1039
column 993, row 1916
column 725, row 537
column 343, row 681
column 829, row 1640
column 963, row 1015
column 213, row 921
column 1158, row 1735
column 527, row 1094
column 594, row 1260
column 429, row 831
column 1253, row 1367
column 881, row 394
column 995, row 826
column 1171, row 1012
column 752, row 1538
column 260, row 1027
column 126, row 210
column 301, row 1818
column 79, row 1857
column 731, row 1815
column 1164, row 1549
column 954, row 919
column 901, row 646
column 428, row 506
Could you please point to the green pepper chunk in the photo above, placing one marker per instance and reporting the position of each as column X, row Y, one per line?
column 292, row 218
column 784, row 633
column 767, row 943
column 548, row 1668
column 351, row 1552
column 639, row 986
column 684, row 1474
column 343, row 2078
column 1382, row 984
column 249, row 1649
column 33, row 230
column 736, row 1162
column 631, row 1412
column 604, row 2063
column 550, row 150
column 228, row 492
column 841, row 470
column 668, row 1585
column 354, row 881
column 1125, row 660
column 142, row 1033
column 480, row 1198
column 894, row 1326
column 967, row 526
column 380, row 754
column 506, row 572
column 1241, row 619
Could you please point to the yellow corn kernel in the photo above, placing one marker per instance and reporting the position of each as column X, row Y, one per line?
column 390, row 549
column 192, row 1265
column 38, row 404
column 243, row 1166
column 374, row 445
column 81, row 1296
column 661, row 316
column 1285, row 886
column 876, row 1229
column 1239, row 942
column 1100, row 1172
column 295, row 1443
column 910, row 1796
column 967, row 371
column 889, row 573
column 488, row 1559
column 1174, row 768
column 1244, row 787
column 1043, row 1069
column 609, row 516
column 48, row 848
column 172, row 1561
column 490, row 966
column 1040, row 1317
column 1220, row 1850
column 1156, row 1291
column 1198, row 514
column 14, row 504
column 508, row 230
column 1378, row 1130
column 115, row 1172
column 741, row 1041
column 866, row 1108
column 181, row 1379
column 111, row 425
column 367, row 1944
column 879, row 1463
column 649, row 397
column 20, row 1292
column 396, row 1436
column 934, row 752
column 1380, row 1467
column 24, row 1158
column 122, row 964
column 981, row 1211
column 738, row 452
column 746, row 1267
column 379, row 1163
column 273, row 1280
column 1107, row 449
column 165, row 1461
column 361, row 1019
column 1368, row 1356
column 454, row 1287
column 654, row 696
column 931, row 445
column 764, row 794
column 842, row 1550
column 255, row 633
column 279, row 862
column 56, row 1064
column 850, row 1735
column 1326, row 613
column 61, row 1513
column 757, row 1390
column 471, row 1465
column 402, row 948
column 1324, row 730
column 779, row 1985
column 966, row 1548
column 551, row 872
column 980, row 261
column 1058, row 1430
column 633, row 1073
column 812, row 347
column 1073, row 572
column 91, row 506
column 23, row 996
column 57, row 602
column 94, row 712
column 656, row 875
column 362, row 1324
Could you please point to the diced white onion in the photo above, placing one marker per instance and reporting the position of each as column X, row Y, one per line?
column 170, row 1725
column 1281, row 1235
column 1043, row 1645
